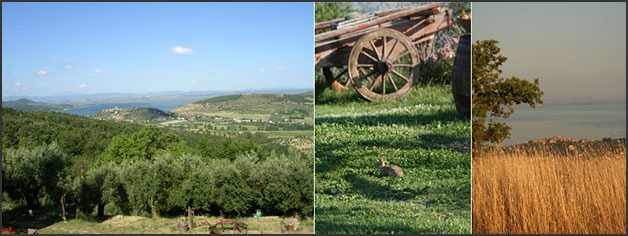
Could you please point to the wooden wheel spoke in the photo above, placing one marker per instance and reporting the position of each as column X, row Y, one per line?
column 392, row 49
column 341, row 73
column 400, row 75
column 378, row 79
column 383, row 84
column 392, row 81
column 347, row 82
column 375, row 49
column 400, row 56
column 366, row 75
column 384, row 48
column 369, row 56
column 389, row 54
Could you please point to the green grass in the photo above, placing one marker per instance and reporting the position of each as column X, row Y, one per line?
column 420, row 133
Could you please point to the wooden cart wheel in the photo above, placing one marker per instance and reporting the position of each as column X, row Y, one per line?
column 383, row 65
column 337, row 77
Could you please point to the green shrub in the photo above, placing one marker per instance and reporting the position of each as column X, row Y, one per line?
column 30, row 173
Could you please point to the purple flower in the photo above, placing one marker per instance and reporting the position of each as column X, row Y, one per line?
column 455, row 40
column 434, row 57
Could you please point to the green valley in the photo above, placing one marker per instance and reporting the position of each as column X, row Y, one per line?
column 219, row 155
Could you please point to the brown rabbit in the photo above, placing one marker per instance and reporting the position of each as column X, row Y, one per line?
column 388, row 170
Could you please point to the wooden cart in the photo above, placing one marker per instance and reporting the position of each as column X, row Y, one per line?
column 379, row 53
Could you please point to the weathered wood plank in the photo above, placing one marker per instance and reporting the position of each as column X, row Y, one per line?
column 429, row 9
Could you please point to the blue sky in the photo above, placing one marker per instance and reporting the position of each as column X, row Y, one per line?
column 54, row 48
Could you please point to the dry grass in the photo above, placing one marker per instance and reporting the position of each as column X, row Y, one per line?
column 144, row 225
column 552, row 191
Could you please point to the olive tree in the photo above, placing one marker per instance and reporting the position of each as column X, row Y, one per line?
column 30, row 173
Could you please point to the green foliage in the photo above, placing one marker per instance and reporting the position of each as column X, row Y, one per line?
column 223, row 98
column 138, row 114
column 325, row 11
column 227, row 148
column 31, row 173
column 167, row 185
column 493, row 96
column 80, row 139
column 147, row 182
column 148, row 171
column 143, row 144
column 286, row 185
column 436, row 72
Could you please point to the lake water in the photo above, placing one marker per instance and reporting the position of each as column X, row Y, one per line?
column 165, row 104
column 574, row 121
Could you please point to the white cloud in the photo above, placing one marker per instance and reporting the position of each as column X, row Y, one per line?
column 261, row 70
column 279, row 68
column 98, row 71
column 194, row 81
column 82, row 86
column 19, row 86
column 42, row 73
column 68, row 66
column 182, row 50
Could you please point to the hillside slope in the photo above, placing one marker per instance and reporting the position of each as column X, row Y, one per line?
column 254, row 104
column 138, row 114
column 29, row 105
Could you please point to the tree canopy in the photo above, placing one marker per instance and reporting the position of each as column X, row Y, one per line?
column 493, row 96
column 85, row 164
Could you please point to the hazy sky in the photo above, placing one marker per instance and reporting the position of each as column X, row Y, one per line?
column 578, row 50
column 52, row 48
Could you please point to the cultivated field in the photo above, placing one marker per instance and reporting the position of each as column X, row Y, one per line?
column 421, row 134
column 561, row 189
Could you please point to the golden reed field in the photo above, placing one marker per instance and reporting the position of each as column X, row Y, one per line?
column 574, row 187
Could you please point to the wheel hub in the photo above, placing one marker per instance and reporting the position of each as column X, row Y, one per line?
column 384, row 66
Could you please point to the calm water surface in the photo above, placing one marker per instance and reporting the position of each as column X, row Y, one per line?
column 574, row 121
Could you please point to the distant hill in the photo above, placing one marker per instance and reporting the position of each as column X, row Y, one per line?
column 564, row 146
column 134, row 115
column 29, row 105
column 69, row 97
column 253, row 104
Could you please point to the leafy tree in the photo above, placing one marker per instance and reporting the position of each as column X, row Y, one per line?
column 148, row 183
column 29, row 173
column 286, row 184
column 231, row 190
column 113, row 190
column 493, row 96
column 196, row 185
column 143, row 144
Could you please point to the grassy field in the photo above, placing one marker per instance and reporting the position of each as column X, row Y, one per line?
column 515, row 193
column 420, row 133
column 143, row 225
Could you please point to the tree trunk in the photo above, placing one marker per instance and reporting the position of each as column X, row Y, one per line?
column 63, row 214
column 101, row 209
column 30, row 204
column 152, row 208
column 191, row 218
